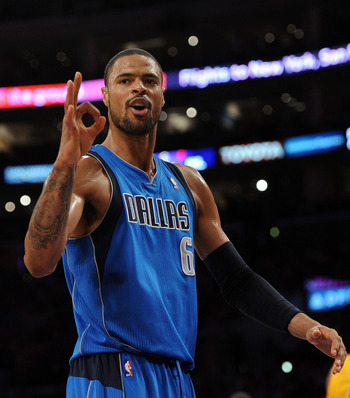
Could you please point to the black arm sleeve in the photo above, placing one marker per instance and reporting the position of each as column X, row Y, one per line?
column 251, row 294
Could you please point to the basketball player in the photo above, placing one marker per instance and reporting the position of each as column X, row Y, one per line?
column 127, row 224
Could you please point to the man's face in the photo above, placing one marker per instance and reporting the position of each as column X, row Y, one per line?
column 134, row 94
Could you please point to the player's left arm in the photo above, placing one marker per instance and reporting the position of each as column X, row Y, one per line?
column 242, row 287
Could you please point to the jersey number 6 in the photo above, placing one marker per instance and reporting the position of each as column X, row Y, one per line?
column 187, row 262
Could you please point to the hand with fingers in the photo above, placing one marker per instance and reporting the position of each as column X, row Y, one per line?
column 76, row 138
column 330, row 343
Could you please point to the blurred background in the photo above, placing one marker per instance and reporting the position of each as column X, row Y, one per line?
column 258, row 100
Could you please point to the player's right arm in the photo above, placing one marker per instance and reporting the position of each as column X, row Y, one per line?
column 60, row 205
column 48, row 227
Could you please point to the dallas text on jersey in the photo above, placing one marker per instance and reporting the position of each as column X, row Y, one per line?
column 157, row 213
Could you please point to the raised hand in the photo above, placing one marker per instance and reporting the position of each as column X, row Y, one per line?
column 48, row 228
column 76, row 138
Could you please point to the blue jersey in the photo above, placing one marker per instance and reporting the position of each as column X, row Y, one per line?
column 132, row 279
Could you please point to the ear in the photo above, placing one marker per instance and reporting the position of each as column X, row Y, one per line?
column 105, row 96
column 163, row 101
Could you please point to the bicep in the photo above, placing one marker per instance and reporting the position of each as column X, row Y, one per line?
column 208, row 234
column 75, row 213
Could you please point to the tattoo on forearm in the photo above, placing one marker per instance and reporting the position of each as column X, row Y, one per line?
column 51, row 212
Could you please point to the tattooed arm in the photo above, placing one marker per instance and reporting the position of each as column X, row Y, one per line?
column 59, row 210
column 47, row 232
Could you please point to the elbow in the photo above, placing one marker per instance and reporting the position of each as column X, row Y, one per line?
column 38, row 268
column 39, row 262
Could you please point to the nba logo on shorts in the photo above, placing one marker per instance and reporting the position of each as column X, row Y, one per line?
column 128, row 368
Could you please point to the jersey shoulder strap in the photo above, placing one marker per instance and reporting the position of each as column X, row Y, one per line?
column 177, row 172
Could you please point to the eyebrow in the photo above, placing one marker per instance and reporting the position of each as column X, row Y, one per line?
column 127, row 74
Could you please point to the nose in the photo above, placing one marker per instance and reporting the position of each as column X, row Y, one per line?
column 139, row 87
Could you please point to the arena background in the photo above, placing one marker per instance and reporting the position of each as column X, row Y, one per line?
column 293, row 232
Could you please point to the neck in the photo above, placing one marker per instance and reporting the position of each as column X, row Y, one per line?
column 134, row 149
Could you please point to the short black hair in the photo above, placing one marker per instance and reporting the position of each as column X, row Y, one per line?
column 124, row 53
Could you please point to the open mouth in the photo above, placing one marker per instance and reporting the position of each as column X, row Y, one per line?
column 139, row 106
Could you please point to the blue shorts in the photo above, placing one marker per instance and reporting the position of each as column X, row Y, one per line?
column 122, row 375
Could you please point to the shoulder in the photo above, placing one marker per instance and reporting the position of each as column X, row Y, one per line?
column 89, row 176
column 88, row 165
column 199, row 187
column 193, row 178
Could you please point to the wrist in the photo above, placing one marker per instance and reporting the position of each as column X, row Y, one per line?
column 61, row 164
column 301, row 324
